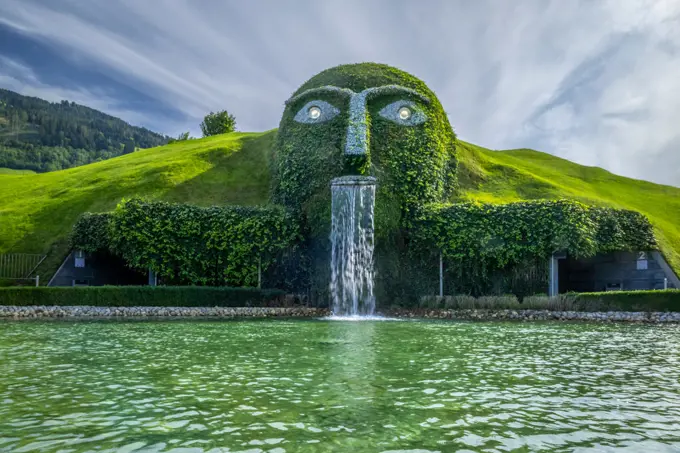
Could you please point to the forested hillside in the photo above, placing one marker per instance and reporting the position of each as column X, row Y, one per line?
column 43, row 136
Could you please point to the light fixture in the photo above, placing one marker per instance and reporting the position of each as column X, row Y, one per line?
column 314, row 112
column 404, row 113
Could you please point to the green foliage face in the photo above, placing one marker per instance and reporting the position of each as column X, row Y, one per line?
column 364, row 119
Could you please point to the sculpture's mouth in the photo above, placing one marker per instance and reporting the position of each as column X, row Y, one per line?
column 353, row 180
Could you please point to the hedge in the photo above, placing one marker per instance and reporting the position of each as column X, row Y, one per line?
column 146, row 296
column 656, row 300
column 91, row 232
column 191, row 245
column 499, row 235
column 635, row 301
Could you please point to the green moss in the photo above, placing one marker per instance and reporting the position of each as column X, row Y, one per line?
column 413, row 164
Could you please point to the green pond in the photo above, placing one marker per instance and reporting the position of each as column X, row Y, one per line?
column 317, row 385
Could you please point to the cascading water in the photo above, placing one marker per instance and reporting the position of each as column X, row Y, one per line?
column 353, row 199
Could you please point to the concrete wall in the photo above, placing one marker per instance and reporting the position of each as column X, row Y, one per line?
column 99, row 269
column 620, row 270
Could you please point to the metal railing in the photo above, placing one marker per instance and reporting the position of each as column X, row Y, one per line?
column 20, row 266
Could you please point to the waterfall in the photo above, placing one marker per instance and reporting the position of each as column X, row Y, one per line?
column 353, row 199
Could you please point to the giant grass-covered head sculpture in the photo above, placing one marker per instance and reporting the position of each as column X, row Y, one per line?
column 363, row 119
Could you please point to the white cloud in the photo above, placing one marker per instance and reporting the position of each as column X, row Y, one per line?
column 595, row 82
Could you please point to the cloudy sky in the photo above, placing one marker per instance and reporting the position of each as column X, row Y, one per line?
column 596, row 82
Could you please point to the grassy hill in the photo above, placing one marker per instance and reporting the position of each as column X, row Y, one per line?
column 38, row 210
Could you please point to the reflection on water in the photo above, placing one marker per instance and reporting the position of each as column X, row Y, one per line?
column 289, row 386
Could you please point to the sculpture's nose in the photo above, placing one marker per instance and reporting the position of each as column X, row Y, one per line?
column 356, row 143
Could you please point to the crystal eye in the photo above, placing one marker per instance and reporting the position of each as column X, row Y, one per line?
column 404, row 113
column 314, row 112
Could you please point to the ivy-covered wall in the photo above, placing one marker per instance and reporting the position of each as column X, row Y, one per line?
column 191, row 245
column 502, row 234
column 497, row 248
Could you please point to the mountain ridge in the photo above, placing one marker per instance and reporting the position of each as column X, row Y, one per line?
column 39, row 135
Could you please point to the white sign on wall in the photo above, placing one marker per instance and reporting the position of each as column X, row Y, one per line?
column 642, row 261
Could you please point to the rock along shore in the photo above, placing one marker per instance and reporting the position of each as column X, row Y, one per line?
column 91, row 312
column 86, row 311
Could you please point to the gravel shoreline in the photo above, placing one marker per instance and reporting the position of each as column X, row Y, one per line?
column 84, row 311
column 91, row 312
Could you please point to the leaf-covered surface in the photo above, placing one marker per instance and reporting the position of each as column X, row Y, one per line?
column 505, row 234
column 188, row 244
column 414, row 164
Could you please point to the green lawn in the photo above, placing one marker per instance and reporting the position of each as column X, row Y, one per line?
column 38, row 210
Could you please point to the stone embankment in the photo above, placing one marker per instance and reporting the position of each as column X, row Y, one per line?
column 20, row 312
column 90, row 312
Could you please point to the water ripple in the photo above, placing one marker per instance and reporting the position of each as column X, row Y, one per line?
column 308, row 386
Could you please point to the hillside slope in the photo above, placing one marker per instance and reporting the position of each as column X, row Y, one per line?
column 38, row 210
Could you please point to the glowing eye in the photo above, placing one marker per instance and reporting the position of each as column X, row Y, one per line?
column 314, row 112
column 404, row 113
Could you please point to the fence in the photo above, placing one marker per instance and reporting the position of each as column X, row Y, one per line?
column 20, row 266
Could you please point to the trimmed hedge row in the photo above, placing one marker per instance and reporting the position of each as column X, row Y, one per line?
column 142, row 296
column 657, row 300
column 634, row 301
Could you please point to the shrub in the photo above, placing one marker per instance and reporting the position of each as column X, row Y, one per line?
column 218, row 123
column 466, row 302
column 563, row 302
column 91, row 232
column 657, row 300
column 148, row 296
column 500, row 235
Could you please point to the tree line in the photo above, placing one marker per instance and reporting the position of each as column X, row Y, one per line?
column 46, row 136
column 42, row 136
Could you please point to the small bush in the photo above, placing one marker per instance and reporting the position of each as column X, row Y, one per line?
column 147, row 296
column 461, row 301
column 465, row 302
column 504, row 302
column 563, row 302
